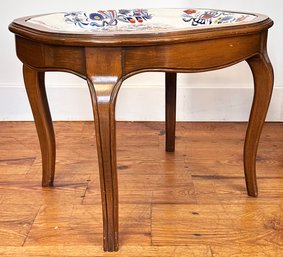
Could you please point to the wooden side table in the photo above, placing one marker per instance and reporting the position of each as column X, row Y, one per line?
column 106, row 47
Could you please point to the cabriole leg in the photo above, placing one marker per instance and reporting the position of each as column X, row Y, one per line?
column 103, row 81
column 35, row 87
column 263, row 85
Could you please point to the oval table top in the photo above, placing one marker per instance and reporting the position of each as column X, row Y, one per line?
column 136, row 26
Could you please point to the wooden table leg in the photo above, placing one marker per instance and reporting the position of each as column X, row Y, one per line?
column 170, row 109
column 106, row 148
column 35, row 87
column 263, row 85
column 104, row 83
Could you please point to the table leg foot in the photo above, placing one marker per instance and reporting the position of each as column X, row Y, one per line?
column 170, row 109
column 263, row 85
column 35, row 87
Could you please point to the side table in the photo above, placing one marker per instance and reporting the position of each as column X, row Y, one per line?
column 107, row 46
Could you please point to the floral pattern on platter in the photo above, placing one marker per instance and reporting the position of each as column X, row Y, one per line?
column 146, row 20
column 210, row 17
column 105, row 18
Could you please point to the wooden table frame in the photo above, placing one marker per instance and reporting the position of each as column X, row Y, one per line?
column 105, row 61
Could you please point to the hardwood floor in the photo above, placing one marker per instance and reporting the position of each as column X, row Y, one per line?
column 192, row 202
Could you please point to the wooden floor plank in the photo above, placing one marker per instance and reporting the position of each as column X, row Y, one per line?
column 90, row 251
column 192, row 202
column 217, row 225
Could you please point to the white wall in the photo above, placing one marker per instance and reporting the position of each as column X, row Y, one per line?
column 218, row 95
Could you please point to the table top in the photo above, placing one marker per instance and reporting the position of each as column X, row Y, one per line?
column 136, row 20
column 135, row 26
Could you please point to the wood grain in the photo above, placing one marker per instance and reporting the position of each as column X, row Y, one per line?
column 35, row 87
column 190, row 202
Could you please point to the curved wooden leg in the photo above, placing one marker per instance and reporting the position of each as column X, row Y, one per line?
column 263, row 85
column 35, row 87
column 106, row 147
column 103, row 88
column 170, row 109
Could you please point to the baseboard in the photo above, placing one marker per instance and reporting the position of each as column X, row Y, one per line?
column 143, row 103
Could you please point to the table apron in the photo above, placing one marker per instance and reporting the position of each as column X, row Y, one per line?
column 51, row 57
column 182, row 57
column 193, row 56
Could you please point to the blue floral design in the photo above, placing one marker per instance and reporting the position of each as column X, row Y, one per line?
column 207, row 17
column 77, row 18
column 105, row 18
